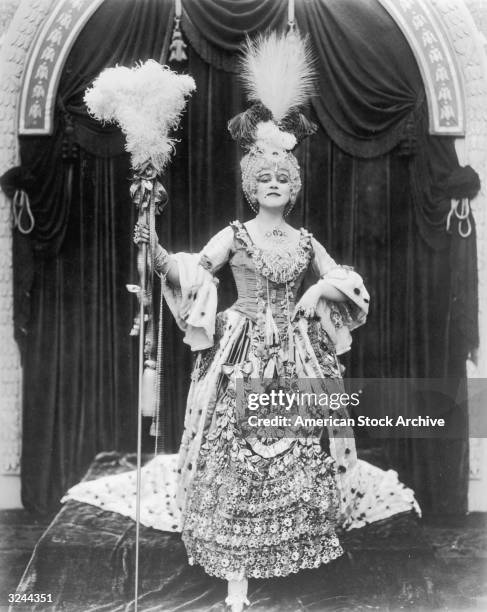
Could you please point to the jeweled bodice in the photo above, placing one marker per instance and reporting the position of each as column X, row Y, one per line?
column 263, row 279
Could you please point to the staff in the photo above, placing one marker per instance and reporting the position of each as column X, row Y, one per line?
column 146, row 102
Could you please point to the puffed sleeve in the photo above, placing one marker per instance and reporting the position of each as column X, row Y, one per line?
column 321, row 262
column 194, row 302
column 340, row 318
column 217, row 251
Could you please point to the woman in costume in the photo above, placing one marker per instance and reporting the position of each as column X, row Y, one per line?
column 257, row 506
column 265, row 507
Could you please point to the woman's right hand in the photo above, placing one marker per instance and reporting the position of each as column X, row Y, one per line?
column 162, row 260
column 141, row 233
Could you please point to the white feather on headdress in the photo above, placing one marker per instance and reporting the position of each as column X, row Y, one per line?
column 146, row 102
column 268, row 134
column 278, row 71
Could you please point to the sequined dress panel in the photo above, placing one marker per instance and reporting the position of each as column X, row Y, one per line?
column 252, row 286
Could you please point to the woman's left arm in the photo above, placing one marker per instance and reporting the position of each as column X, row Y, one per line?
column 337, row 284
column 322, row 289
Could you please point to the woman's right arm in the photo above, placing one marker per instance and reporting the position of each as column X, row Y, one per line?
column 212, row 257
column 166, row 265
column 190, row 290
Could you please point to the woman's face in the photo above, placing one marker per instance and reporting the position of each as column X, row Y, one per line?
column 273, row 187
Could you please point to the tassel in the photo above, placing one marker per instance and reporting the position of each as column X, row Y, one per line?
column 178, row 46
column 155, row 429
column 271, row 336
column 148, row 389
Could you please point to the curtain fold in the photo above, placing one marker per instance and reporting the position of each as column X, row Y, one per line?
column 368, row 84
column 217, row 28
column 79, row 362
column 80, row 382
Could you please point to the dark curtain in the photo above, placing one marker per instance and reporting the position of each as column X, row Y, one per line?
column 368, row 83
column 215, row 28
column 79, row 361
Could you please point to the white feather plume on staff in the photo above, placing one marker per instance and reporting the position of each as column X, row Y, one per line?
column 278, row 71
column 146, row 102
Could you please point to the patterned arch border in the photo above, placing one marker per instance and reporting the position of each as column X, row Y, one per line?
column 421, row 27
column 46, row 62
column 437, row 62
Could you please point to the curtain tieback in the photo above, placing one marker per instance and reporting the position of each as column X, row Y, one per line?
column 461, row 210
column 21, row 207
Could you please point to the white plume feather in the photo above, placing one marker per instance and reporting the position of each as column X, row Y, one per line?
column 146, row 102
column 269, row 134
column 278, row 71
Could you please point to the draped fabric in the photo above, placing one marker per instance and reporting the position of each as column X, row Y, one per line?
column 374, row 202
column 370, row 223
column 80, row 364
column 365, row 92
column 215, row 28
column 364, row 100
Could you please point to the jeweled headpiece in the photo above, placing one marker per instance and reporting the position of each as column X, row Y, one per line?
column 279, row 78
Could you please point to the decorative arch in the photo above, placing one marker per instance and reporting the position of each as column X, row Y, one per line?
column 424, row 31
column 16, row 43
column 437, row 63
column 31, row 19
column 462, row 19
column 46, row 62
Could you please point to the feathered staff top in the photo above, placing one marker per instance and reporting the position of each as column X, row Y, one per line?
column 146, row 102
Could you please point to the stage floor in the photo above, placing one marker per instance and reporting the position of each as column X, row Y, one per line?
column 85, row 560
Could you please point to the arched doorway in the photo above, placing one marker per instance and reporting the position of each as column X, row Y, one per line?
column 85, row 14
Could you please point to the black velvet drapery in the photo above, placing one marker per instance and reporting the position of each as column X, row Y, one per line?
column 364, row 197
column 363, row 108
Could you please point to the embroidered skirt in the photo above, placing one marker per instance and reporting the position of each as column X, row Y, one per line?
column 245, row 514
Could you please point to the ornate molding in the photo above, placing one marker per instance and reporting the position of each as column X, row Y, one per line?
column 7, row 11
column 46, row 63
column 15, row 45
column 462, row 19
column 469, row 45
column 436, row 61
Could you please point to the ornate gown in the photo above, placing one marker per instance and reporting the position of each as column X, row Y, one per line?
column 250, row 506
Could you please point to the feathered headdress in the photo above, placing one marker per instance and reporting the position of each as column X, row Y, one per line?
column 278, row 77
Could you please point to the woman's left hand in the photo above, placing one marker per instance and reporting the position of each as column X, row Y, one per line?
column 306, row 306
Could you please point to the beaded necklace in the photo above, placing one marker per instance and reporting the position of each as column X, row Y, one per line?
column 278, row 266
